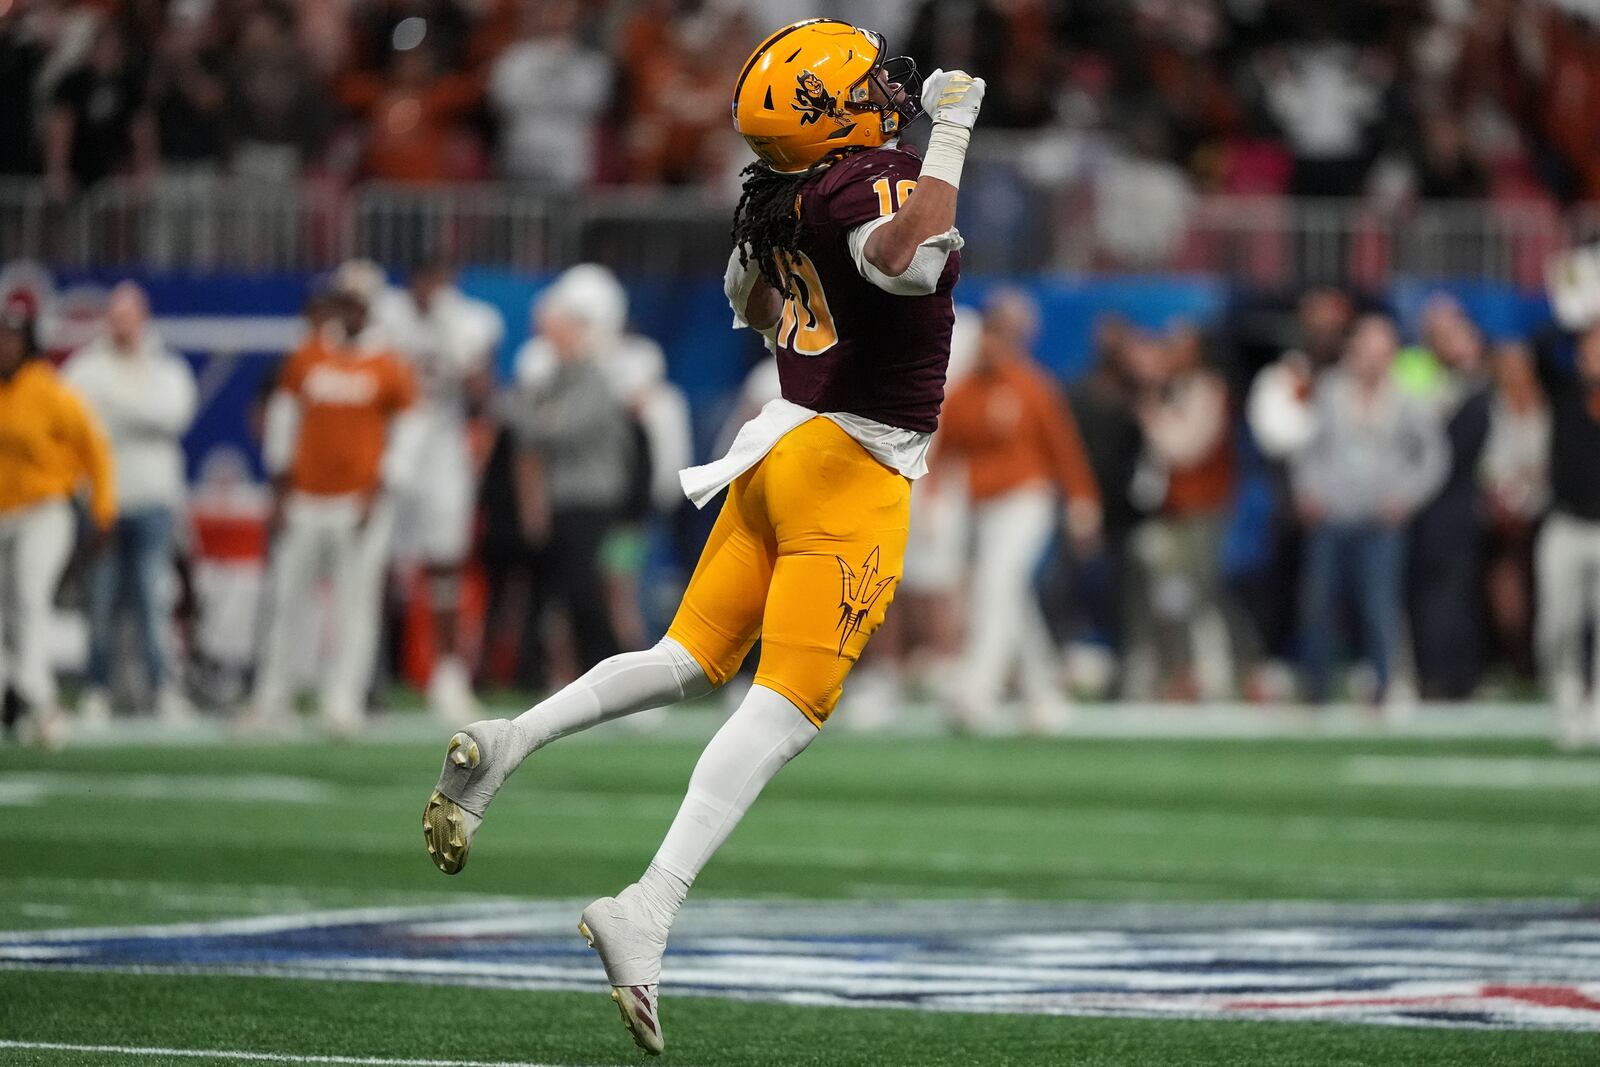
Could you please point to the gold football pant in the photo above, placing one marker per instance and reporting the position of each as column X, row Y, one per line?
column 806, row 555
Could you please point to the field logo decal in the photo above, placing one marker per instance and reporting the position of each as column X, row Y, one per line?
column 1524, row 965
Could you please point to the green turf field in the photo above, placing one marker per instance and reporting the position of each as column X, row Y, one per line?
column 102, row 836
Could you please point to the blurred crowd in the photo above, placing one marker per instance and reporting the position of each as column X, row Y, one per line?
column 1425, row 513
column 1433, row 99
column 402, row 482
column 1425, row 518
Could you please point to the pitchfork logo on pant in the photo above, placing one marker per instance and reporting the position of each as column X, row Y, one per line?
column 859, row 594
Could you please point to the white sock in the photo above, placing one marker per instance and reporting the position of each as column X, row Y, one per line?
column 766, row 732
column 612, row 688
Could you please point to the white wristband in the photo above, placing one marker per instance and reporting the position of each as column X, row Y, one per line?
column 947, row 151
column 927, row 264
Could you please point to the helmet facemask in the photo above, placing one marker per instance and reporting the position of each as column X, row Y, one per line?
column 899, row 85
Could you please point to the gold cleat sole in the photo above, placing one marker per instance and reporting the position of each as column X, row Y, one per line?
column 628, row 1021
column 444, row 826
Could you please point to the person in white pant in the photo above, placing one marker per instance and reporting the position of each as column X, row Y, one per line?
column 49, row 445
column 919, row 645
column 1010, row 425
column 338, row 441
column 450, row 340
column 636, row 369
column 145, row 397
column 1567, row 559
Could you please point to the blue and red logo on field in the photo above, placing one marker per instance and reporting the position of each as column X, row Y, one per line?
column 1526, row 965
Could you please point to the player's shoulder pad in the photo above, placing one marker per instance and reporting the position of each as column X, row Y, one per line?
column 890, row 161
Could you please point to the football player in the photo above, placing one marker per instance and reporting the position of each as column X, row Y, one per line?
column 845, row 259
column 450, row 340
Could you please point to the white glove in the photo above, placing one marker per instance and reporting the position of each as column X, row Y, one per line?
column 953, row 96
column 737, row 282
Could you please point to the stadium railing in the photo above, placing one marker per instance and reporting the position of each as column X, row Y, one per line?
column 1021, row 220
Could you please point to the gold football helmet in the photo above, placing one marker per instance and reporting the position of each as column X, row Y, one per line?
column 822, row 87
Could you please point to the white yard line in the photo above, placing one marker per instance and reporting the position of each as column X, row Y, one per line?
column 255, row 924
column 257, row 1057
column 1471, row 772
column 14, row 886
column 22, row 788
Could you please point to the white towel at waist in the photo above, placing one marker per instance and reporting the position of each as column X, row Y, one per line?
column 905, row 451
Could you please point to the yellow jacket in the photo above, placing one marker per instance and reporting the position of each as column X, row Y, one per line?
column 49, row 444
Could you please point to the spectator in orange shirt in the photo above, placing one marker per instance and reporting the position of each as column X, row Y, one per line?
column 415, row 133
column 338, row 437
column 677, row 72
column 1010, row 424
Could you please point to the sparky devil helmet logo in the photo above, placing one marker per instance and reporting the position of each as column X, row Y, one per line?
column 858, row 596
column 812, row 99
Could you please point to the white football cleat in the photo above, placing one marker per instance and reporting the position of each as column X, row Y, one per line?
column 476, row 764
column 630, row 945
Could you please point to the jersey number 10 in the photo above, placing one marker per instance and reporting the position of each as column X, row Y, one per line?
column 902, row 189
column 807, row 324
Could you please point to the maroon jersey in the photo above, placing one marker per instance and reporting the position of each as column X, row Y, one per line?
column 844, row 345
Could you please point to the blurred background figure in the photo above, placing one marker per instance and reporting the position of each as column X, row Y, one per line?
column 577, row 448
column 338, row 440
column 99, row 122
column 1189, row 478
column 50, row 446
column 415, row 111
column 923, row 636
column 24, row 49
column 450, row 340
column 1449, row 535
column 279, row 108
column 548, row 90
column 659, row 420
column 1376, row 456
column 676, row 65
column 144, row 397
column 1516, row 481
column 513, row 644
column 188, row 97
column 1281, row 420
column 1102, row 404
column 1568, row 560
column 1279, row 408
column 1326, row 92
column 663, row 445
column 1009, row 426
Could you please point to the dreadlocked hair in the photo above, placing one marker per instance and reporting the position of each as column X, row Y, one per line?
column 766, row 224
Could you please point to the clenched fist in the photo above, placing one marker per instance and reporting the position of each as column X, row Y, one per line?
column 953, row 96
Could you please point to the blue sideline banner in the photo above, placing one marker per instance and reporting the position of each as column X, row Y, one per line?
column 234, row 328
